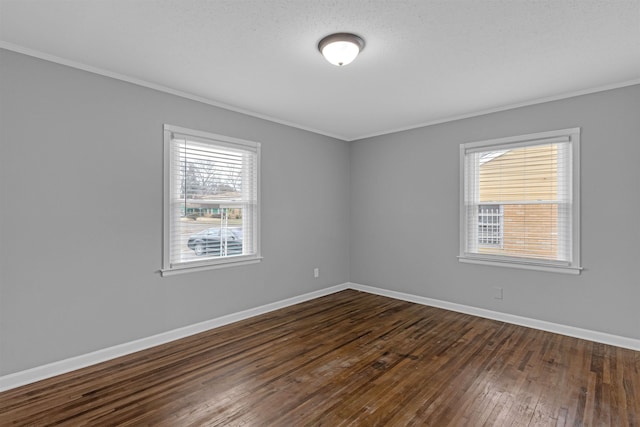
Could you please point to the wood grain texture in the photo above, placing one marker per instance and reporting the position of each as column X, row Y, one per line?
column 350, row 358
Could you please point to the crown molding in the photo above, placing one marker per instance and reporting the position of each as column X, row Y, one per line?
column 140, row 82
column 161, row 88
column 536, row 101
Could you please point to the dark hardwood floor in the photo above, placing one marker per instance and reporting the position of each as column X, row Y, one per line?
column 350, row 358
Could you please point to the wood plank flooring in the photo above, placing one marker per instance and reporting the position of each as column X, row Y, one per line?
column 349, row 358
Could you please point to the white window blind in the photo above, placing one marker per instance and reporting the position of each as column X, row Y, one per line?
column 520, row 201
column 211, row 200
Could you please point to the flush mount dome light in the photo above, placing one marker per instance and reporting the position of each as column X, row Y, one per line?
column 341, row 48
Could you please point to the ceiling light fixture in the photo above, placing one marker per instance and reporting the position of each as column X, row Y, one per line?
column 341, row 48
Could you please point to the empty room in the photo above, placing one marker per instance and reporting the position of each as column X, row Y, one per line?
column 327, row 212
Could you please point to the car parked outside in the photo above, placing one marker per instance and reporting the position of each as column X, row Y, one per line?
column 216, row 241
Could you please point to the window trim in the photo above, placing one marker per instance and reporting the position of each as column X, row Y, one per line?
column 208, row 264
column 573, row 267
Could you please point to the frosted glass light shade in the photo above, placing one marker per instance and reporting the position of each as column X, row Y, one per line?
column 341, row 48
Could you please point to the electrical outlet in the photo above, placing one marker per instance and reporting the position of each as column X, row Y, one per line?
column 497, row 292
column 316, row 272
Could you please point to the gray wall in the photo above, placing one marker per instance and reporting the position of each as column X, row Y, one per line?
column 81, row 202
column 80, row 216
column 404, row 215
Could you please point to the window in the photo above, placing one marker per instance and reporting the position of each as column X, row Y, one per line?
column 211, row 201
column 490, row 225
column 519, row 201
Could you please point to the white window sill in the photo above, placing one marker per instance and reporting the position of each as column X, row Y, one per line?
column 189, row 269
column 522, row 265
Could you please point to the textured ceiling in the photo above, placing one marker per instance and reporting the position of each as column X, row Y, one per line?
column 424, row 62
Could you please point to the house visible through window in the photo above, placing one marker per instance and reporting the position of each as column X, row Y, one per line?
column 211, row 200
column 520, row 201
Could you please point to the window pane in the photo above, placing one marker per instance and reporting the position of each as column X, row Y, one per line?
column 208, row 232
column 490, row 225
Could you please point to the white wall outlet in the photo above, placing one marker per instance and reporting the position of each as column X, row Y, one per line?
column 316, row 272
column 497, row 292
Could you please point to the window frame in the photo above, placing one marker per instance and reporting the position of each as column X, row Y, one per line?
column 168, row 268
column 571, row 267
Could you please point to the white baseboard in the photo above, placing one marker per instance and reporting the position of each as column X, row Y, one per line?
column 63, row 366
column 38, row 373
column 586, row 334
